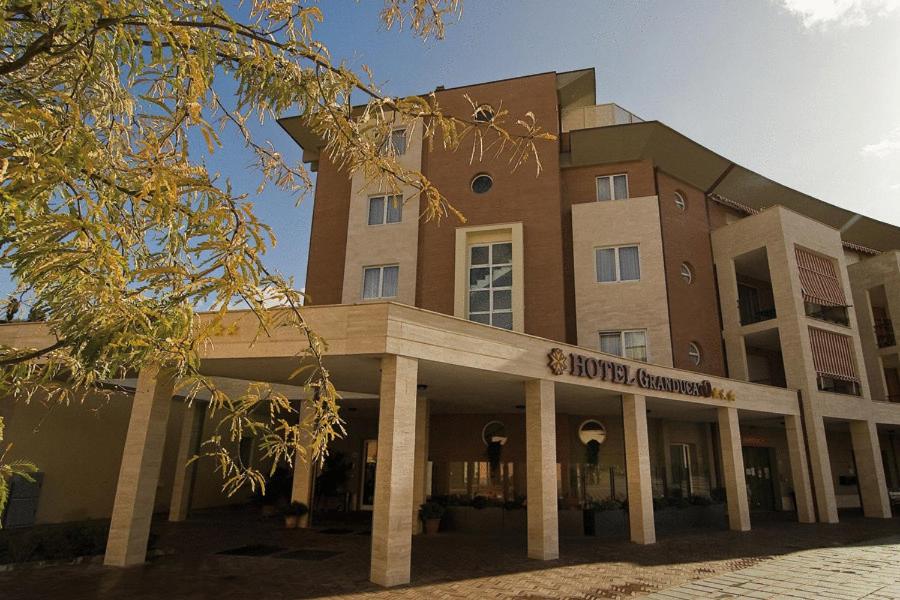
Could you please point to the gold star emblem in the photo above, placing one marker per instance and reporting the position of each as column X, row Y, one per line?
column 557, row 361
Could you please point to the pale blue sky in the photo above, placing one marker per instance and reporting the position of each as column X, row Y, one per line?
column 806, row 92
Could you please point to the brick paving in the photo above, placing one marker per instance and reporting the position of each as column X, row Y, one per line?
column 868, row 570
column 463, row 566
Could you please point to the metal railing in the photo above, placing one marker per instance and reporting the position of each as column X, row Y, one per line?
column 748, row 318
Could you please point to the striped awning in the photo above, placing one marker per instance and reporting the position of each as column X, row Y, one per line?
column 832, row 355
column 819, row 279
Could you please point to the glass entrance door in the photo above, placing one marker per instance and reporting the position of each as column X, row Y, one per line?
column 367, row 493
column 760, row 479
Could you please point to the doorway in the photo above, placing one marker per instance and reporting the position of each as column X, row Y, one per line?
column 760, row 478
column 367, row 486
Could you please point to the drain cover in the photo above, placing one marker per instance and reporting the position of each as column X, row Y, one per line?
column 308, row 554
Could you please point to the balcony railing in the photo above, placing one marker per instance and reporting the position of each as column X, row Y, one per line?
column 749, row 316
column 884, row 333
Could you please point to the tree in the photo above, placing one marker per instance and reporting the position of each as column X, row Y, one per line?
column 112, row 224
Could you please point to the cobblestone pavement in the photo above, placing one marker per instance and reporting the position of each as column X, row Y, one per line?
column 333, row 563
column 869, row 570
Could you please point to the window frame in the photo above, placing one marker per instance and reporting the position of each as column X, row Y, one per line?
column 490, row 289
column 680, row 201
column 380, row 269
column 618, row 263
column 686, row 266
column 612, row 187
column 476, row 178
column 384, row 209
column 621, row 333
column 694, row 346
column 387, row 146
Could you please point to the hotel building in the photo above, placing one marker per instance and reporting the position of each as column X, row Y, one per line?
column 646, row 319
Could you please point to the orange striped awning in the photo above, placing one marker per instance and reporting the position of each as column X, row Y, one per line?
column 832, row 355
column 819, row 279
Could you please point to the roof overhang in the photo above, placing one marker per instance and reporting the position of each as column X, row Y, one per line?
column 685, row 159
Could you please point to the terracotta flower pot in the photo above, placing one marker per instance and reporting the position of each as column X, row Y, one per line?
column 291, row 521
column 432, row 526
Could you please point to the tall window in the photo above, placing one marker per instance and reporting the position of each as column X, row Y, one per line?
column 385, row 209
column 618, row 264
column 380, row 282
column 490, row 284
column 395, row 144
column 612, row 187
column 630, row 343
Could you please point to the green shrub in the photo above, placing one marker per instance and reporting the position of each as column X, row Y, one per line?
column 63, row 541
column 607, row 504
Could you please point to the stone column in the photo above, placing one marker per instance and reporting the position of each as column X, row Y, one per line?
column 540, row 455
column 870, row 469
column 188, row 442
column 129, row 529
column 637, row 469
column 304, row 471
column 820, row 465
column 420, row 475
column 733, row 469
column 793, row 429
column 392, row 513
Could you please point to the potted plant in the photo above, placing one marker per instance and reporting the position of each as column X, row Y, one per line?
column 293, row 513
column 431, row 513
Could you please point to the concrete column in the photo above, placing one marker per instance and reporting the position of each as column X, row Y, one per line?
column 188, row 443
column 304, row 469
column 870, row 469
column 820, row 463
column 392, row 515
column 540, row 456
column 733, row 469
column 129, row 529
column 420, row 475
column 793, row 428
column 637, row 469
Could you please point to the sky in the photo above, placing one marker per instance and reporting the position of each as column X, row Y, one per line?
column 806, row 92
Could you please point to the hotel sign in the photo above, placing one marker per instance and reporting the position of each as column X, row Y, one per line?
column 579, row 365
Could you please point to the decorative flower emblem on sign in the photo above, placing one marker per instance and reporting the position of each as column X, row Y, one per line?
column 558, row 361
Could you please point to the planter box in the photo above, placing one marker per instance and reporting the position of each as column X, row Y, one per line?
column 611, row 524
column 677, row 519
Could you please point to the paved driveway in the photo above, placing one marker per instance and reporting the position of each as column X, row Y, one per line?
column 330, row 562
column 869, row 570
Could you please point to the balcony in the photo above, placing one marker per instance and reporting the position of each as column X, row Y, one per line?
column 884, row 333
column 750, row 316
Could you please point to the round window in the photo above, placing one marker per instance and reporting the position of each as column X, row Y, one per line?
column 484, row 113
column 680, row 202
column 687, row 273
column 592, row 431
column 694, row 353
column 482, row 183
column 495, row 431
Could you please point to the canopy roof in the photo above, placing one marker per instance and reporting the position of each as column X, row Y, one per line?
column 695, row 164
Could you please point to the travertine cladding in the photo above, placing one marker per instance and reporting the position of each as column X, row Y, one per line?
column 387, row 244
column 637, row 457
column 129, row 529
column 420, row 476
column 733, row 469
column 625, row 304
column 881, row 270
column 540, row 436
column 392, row 516
column 188, row 441
column 779, row 230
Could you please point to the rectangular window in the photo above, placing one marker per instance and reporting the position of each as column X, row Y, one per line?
column 380, row 282
column 618, row 264
column 395, row 144
column 385, row 209
column 629, row 343
column 490, row 284
column 612, row 187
